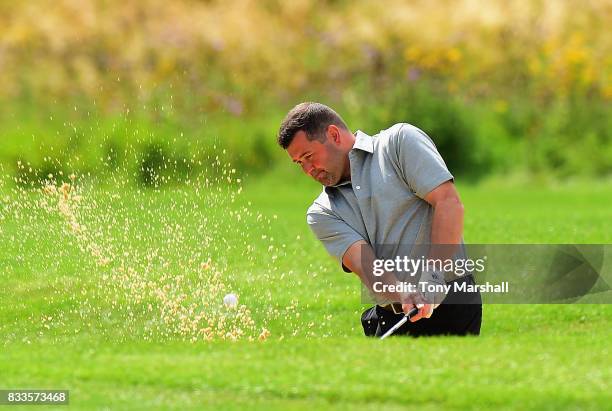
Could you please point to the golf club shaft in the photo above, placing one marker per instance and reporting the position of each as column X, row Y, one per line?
column 401, row 322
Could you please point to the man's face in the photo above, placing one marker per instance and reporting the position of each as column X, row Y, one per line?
column 323, row 161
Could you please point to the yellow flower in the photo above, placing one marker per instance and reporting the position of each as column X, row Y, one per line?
column 454, row 55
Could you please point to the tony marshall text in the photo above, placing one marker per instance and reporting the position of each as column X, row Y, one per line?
column 426, row 287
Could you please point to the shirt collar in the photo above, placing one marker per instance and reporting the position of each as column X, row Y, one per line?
column 363, row 142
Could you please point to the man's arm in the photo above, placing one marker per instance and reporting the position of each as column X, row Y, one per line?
column 447, row 223
column 428, row 177
column 359, row 257
column 447, row 228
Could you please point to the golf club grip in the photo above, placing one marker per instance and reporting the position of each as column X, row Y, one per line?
column 412, row 312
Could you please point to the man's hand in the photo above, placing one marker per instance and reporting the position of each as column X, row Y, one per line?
column 417, row 300
column 425, row 311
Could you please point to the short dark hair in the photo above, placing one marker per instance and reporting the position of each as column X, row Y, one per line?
column 310, row 117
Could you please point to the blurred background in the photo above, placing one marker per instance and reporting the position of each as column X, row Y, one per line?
column 519, row 88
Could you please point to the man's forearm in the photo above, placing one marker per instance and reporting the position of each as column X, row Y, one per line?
column 359, row 258
column 447, row 223
column 446, row 228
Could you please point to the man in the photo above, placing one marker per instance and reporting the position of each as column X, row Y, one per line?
column 381, row 192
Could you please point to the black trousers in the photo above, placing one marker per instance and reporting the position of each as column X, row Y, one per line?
column 457, row 315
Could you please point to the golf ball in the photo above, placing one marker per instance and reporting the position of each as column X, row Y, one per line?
column 230, row 300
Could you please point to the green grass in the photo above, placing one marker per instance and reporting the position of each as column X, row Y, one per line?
column 528, row 357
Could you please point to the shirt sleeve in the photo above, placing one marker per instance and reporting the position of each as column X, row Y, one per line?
column 335, row 234
column 419, row 161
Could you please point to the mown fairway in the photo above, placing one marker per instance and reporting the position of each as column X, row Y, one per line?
column 111, row 355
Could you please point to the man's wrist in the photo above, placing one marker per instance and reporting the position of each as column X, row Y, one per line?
column 433, row 286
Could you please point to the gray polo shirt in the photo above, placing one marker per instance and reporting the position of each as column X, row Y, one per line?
column 383, row 203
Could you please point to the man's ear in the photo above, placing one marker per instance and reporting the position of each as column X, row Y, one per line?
column 334, row 133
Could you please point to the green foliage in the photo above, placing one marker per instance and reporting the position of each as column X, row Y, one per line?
column 446, row 121
column 503, row 87
column 573, row 137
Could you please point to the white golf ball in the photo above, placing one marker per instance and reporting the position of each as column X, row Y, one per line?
column 230, row 300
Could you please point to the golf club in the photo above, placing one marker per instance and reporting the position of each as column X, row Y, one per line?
column 401, row 322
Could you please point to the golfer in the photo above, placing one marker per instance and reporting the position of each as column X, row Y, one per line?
column 388, row 189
